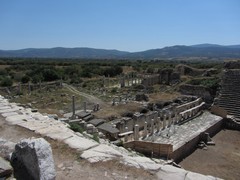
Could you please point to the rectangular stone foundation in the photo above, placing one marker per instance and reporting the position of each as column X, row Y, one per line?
column 182, row 139
column 191, row 145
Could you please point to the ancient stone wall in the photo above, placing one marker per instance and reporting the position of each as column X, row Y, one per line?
column 28, row 87
column 150, row 149
column 196, row 90
column 165, row 76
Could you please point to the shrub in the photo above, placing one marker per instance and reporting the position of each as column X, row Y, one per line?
column 76, row 127
column 25, row 79
column 95, row 137
column 6, row 82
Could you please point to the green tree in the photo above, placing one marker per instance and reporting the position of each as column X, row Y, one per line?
column 25, row 79
column 6, row 82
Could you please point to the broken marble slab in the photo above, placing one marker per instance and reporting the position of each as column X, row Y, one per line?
column 167, row 172
column 3, row 107
column 59, row 136
column 16, row 119
column 140, row 162
column 80, row 143
column 7, row 114
column 101, row 152
column 33, row 125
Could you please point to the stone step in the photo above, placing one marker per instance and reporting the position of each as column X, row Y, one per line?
column 232, row 111
column 229, row 101
column 230, row 81
column 234, row 114
column 230, row 89
column 228, row 97
column 230, row 105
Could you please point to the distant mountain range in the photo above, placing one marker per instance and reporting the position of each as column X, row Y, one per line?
column 178, row 51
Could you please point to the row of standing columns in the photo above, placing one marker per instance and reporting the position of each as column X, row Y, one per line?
column 129, row 81
column 165, row 121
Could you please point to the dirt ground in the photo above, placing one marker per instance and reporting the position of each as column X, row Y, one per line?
column 69, row 165
column 221, row 160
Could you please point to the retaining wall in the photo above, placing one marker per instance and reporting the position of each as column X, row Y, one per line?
column 150, row 149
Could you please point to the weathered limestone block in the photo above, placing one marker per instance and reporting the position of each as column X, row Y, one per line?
column 5, row 168
column 33, row 159
column 6, row 148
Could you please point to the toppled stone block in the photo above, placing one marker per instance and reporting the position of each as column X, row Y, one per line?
column 6, row 148
column 5, row 168
column 32, row 159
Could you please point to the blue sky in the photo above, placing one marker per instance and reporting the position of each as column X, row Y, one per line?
column 129, row 25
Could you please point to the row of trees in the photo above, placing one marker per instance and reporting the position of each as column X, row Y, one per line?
column 40, row 72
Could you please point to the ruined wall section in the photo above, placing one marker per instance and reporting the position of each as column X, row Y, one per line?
column 165, row 76
column 197, row 90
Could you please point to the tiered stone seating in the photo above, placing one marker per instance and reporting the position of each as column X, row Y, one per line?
column 229, row 98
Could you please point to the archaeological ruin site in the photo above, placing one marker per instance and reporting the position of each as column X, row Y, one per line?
column 149, row 124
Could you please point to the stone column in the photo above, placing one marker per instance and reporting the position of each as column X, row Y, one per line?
column 164, row 121
column 132, row 79
column 152, row 126
column 103, row 81
column 126, row 136
column 169, row 119
column 73, row 107
column 173, row 120
column 179, row 118
column 113, row 102
column 136, row 132
column 122, row 80
column 158, row 124
column 85, row 106
column 108, row 81
column 121, row 128
column 145, row 131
